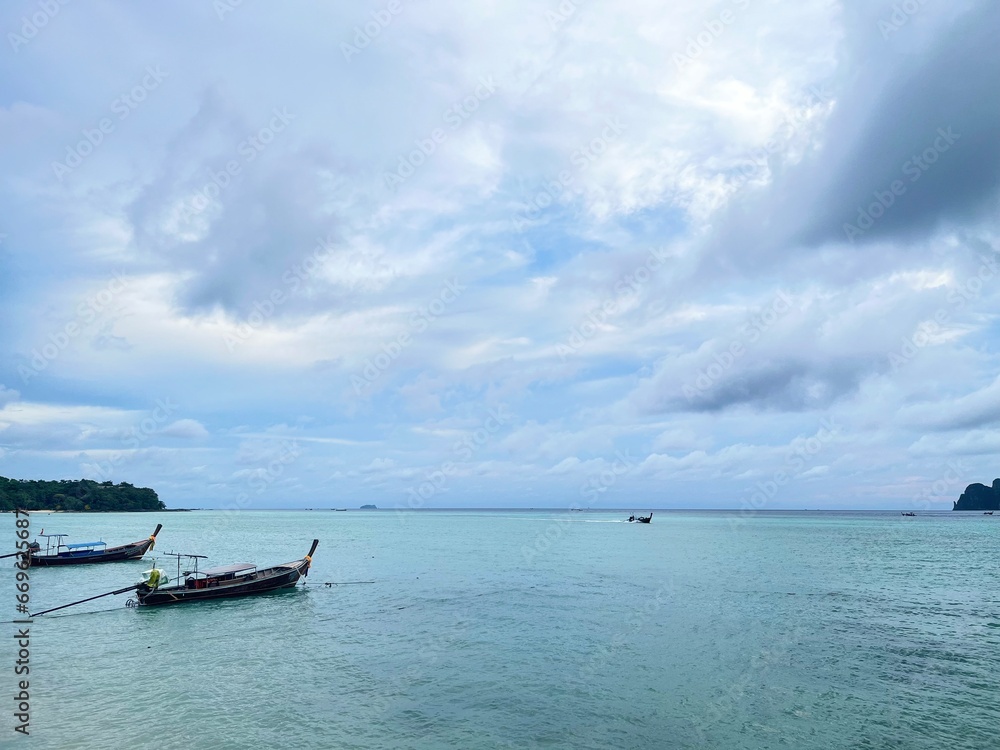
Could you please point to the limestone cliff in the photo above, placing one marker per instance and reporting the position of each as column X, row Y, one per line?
column 980, row 497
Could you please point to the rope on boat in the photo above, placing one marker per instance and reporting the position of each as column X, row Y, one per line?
column 328, row 584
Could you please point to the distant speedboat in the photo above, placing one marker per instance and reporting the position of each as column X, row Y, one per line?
column 908, row 514
column 988, row 513
column 57, row 553
column 641, row 519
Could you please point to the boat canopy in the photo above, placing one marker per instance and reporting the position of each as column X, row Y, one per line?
column 80, row 545
column 53, row 535
column 226, row 569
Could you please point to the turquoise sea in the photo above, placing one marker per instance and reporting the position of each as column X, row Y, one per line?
column 525, row 629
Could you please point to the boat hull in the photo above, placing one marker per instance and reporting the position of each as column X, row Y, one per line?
column 114, row 554
column 271, row 579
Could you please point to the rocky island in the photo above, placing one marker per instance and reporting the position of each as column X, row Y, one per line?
column 980, row 497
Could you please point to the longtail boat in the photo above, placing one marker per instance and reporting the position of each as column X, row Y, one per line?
column 238, row 579
column 58, row 553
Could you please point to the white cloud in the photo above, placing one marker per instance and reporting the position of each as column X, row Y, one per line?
column 599, row 137
column 187, row 429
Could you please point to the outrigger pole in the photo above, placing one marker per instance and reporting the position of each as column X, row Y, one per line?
column 90, row 599
column 12, row 554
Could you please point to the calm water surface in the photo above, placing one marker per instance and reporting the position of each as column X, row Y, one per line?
column 510, row 629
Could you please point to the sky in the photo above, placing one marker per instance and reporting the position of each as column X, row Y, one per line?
column 738, row 254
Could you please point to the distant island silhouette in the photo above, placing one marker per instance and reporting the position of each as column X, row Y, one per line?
column 368, row 507
column 76, row 495
column 979, row 497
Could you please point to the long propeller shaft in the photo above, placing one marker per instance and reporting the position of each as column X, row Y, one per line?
column 88, row 599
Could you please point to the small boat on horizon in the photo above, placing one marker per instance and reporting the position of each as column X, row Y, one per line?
column 641, row 519
column 223, row 582
column 58, row 553
column 909, row 514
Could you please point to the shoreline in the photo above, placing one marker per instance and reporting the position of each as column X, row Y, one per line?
column 98, row 512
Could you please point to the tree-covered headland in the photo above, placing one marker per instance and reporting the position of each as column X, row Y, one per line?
column 76, row 495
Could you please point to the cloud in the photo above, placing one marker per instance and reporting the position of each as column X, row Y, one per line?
column 974, row 410
column 7, row 395
column 291, row 222
column 922, row 122
column 784, row 386
column 186, row 429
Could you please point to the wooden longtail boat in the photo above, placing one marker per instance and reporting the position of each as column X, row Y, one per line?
column 57, row 553
column 239, row 579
